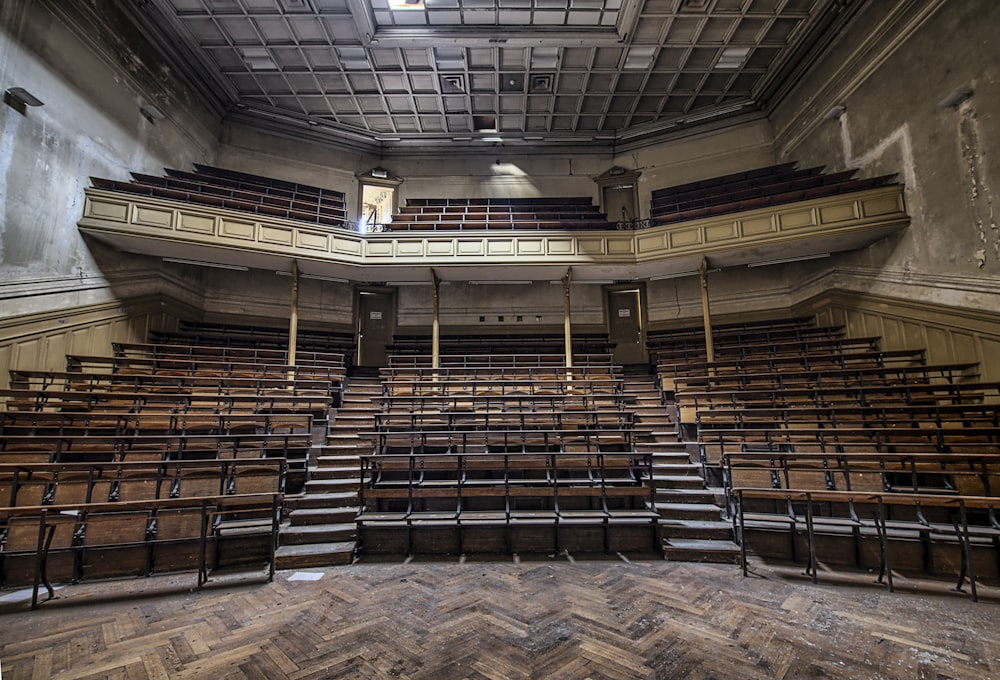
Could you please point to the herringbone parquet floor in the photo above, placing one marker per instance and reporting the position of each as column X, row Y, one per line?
column 541, row 619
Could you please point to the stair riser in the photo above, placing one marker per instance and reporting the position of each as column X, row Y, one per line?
column 307, row 561
column 696, row 514
column 680, row 555
column 332, row 486
column 672, row 496
column 720, row 533
column 297, row 519
column 334, row 473
column 291, row 537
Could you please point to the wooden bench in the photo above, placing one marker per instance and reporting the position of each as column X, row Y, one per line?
column 71, row 381
column 272, row 401
column 201, row 367
column 671, row 374
column 822, row 377
column 67, row 483
column 853, row 415
column 972, row 520
column 181, row 352
column 502, row 440
column 454, row 491
column 138, row 537
column 690, row 402
column 70, row 447
column 112, row 423
column 973, row 473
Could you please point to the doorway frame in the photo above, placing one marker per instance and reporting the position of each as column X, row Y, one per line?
column 379, row 289
column 619, row 287
column 376, row 177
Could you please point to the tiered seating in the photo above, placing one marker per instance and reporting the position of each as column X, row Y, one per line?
column 547, row 347
column 449, row 214
column 221, row 188
column 854, row 447
column 753, row 189
column 162, row 456
column 515, row 453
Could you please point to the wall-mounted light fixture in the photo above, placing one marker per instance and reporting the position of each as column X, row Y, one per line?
column 679, row 275
column 835, row 113
column 19, row 99
column 151, row 113
column 955, row 97
column 500, row 283
column 786, row 260
column 315, row 277
column 199, row 263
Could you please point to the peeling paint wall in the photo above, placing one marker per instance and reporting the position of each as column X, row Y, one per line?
column 92, row 81
column 891, row 70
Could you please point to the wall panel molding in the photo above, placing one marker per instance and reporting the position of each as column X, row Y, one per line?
column 166, row 228
column 948, row 334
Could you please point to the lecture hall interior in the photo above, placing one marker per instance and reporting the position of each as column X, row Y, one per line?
column 499, row 339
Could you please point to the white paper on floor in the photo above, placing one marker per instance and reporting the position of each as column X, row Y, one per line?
column 24, row 595
column 306, row 576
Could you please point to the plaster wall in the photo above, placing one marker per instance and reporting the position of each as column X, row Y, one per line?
column 85, row 68
column 505, row 172
column 912, row 55
column 497, row 171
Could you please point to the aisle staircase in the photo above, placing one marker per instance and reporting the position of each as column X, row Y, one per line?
column 691, row 513
column 320, row 529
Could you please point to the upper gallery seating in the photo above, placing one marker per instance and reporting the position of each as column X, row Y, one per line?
column 844, row 448
column 752, row 189
column 446, row 214
column 221, row 188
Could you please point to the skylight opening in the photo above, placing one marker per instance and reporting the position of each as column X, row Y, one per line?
column 639, row 58
column 258, row 59
column 733, row 57
column 404, row 5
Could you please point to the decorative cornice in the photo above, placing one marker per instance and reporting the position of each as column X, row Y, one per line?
column 878, row 46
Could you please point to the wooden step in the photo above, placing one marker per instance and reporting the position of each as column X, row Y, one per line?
column 721, row 529
column 673, row 481
column 314, row 555
column 701, row 550
column 696, row 511
column 332, row 487
column 695, row 495
column 334, row 468
column 331, row 502
column 318, row 533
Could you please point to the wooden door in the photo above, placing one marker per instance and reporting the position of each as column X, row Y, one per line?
column 376, row 324
column 625, row 325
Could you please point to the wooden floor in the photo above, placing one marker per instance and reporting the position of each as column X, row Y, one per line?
column 549, row 618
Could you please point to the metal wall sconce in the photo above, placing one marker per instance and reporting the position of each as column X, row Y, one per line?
column 835, row 113
column 955, row 97
column 151, row 113
column 20, row 99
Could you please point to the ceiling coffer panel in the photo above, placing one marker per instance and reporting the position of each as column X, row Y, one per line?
column 536, row 66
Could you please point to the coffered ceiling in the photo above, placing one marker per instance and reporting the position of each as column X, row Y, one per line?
column 398, row 74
